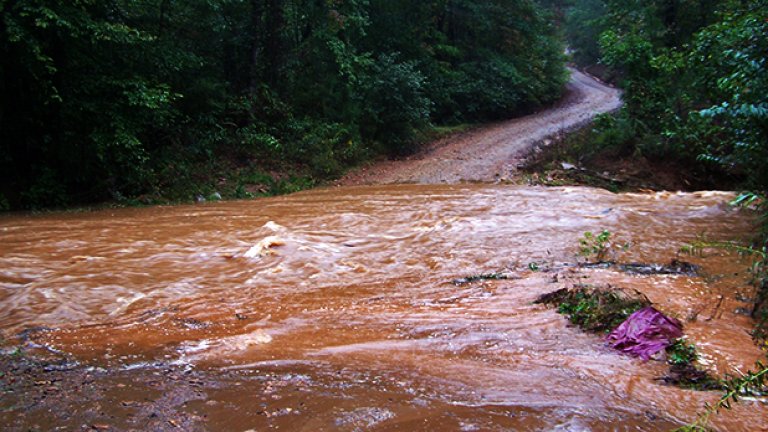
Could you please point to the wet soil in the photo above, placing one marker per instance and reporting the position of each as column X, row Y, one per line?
column 575, row 159
column 291, row 397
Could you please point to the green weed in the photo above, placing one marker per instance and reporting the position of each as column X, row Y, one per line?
column 681, row 353
column 595, row 310
column 595, row 247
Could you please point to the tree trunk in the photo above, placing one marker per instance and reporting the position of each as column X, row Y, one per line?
column 273, row 45
column 257, row 12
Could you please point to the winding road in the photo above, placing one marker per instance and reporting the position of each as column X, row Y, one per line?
column 492, row 153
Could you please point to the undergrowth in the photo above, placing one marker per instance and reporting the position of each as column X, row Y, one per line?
column 751, row 383
column 681, row 357
column 681, row 352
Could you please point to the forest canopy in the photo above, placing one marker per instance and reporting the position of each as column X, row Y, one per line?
column 114, row 100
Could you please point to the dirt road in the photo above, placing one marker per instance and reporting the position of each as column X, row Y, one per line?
column 493, row 152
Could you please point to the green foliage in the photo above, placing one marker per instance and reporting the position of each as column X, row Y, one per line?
column 731, row 58
column 394, row 103
column 584, row 24
column 595, row 247
column 683, row 372
column 681, row 353
column 124, row 100
column 4, row 206
column 45, row 191
column 325, row 147
column 694, row 77
column 594, row 310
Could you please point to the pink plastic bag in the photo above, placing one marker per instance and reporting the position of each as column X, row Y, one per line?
column 645, row 333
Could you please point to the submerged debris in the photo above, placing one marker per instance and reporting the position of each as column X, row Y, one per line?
column 675, row 267
column 681, row 357
column 688, row 376
column 191, row 323
column 478, row 278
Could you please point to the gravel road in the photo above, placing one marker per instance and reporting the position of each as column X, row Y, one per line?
column 493, row 152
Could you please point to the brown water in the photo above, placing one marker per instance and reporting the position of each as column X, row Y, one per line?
column 335, row 307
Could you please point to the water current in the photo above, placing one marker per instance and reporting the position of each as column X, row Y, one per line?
column 345, row 296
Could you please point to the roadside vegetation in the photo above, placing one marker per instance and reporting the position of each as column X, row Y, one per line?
column 140, row 102
column 695, row 87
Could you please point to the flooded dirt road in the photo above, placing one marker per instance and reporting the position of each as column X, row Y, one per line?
column 493, row 153
column 336, row 309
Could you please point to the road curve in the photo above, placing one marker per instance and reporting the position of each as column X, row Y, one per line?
column 493, row 152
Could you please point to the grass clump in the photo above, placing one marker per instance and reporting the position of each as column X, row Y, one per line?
column 681, row 353
column 595, row 310
column 595, row 245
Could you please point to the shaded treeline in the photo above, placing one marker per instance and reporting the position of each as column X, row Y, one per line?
column 695, row 79
column 113, row 99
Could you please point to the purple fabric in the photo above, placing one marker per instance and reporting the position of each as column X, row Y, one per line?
column 645, row 333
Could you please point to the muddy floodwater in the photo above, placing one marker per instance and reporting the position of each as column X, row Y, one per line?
column 336, row 309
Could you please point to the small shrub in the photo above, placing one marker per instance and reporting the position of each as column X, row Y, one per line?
column 254, row 141
column 681, row 353
column 735, row 387
column 394, row 104
column 324, row 147
column 595, row 246
column 46, row 191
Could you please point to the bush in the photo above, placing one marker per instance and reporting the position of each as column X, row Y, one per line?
column 46, row 191
column 325, row 148
column 490, row 89
column 394, row 105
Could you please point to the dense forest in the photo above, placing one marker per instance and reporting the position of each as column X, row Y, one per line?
column 694, row 76
column 125, row 100
column 134, row 101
